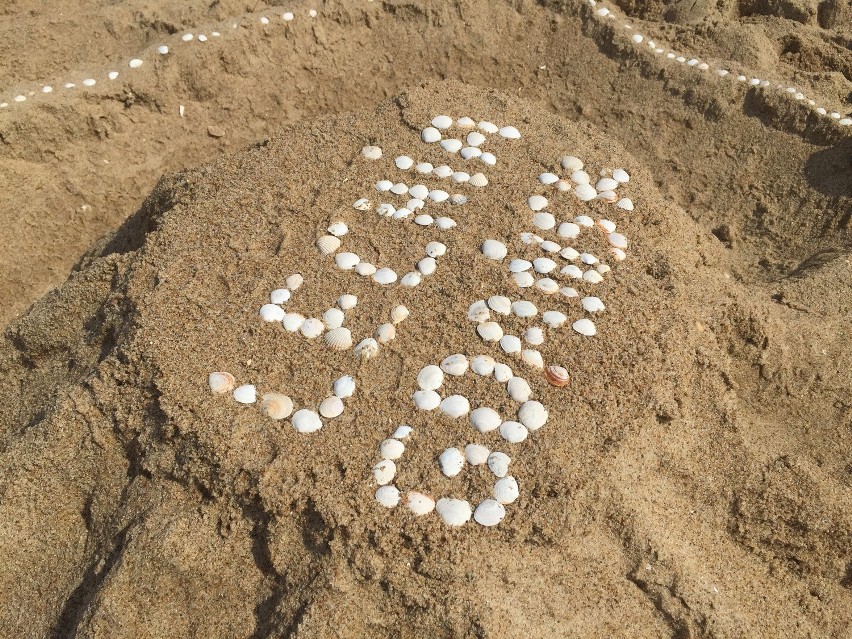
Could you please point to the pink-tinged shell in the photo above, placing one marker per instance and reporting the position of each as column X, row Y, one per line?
column 556, row 376
column 221, row 382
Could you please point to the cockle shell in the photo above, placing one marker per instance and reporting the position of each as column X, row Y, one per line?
column 523, row 308
column 454, row 512
column 475, row 138
column 391, row 449
column 451, row 461
column 498, row 463
column 347, row 301
column 455, row 406
column 312, row 328
column 500, row 304
column 579, row 177
column 510, row 344
column 584, row 220
column 245, row 394
column 306, row 421
column 569, row 253
column 532, row 357
column 584, row 327
column 494, row 250
column 517, row 265
column 556, row 376
column 617, row 240
column 502, row 373
column 399, row 314
column 331, row 407
column 221, row 382
column 276, row 406
column 585, row 192
column 271, row 313
column 328, row 244
column 537, row 202
column 344, row 387
column 490, row 331
column 366, row 349
column 384, row 472
column 513, row 432
column 451, row 145
column 430, row 135
column 519, row 389
column 554, row 319
column 625, row 203
column 419, row 192
column 488, row 158
column 571, row 163
column 279, row 296
column 483, row 365
column 572, row 270
column 371, row 152
column 469, row 152
column 489, row 512
column 592, row 304
column 293, row 321
column 510, row 133
column 485, row 419
column 550, row 247
column 465, row 123
column 426, row 399
column 424, row 168
column 478, row 312
column 455, row 365
column 346, row 261
column 333, row 318
column 385, row 333
column 442, row 122
column 478, row 180
column 523, row 279
column 506, row 490
column 532, row 414
column 568, row 230
column 338, row 229
column 340, row 339
column 606, row 184
column 388, row 496
column 476, row 454
column 547, row 286
column 420, row 504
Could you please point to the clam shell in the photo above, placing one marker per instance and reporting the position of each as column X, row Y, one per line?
column 592, row 304
column 271, row 313
column 346, row 261
column 506, row 490
column 460, row 177
column 487, row 127
column 618, row 254
column 451, row 145
column 478, row 312
column 445, row 223
column 399, row 314
column 584, row 220
column 584, row 327
column 606, row 184
column 340, row 339
column 489, row 331
column 544, row 221
column 455, row 365
column 419, row 192
column 547, row 286
column 532, row 414
column 550, row 247
column 442, row 171
column 293, row 321
column 483, row 365
column 568, row 230
column 388, row 496
column 347, row 301
column 489, row 513
column 548, row 178
column 442, row 122
column 391, row 449
column 458, row 199
column 426, row 399
column 607, row 226
column 279, row 296
column 371, row 152
column 571, row 163
column 430, row 378
column 399, row 188
column 403, row 162
column 470, row 152
column 436, row 249
column 524, row 279
column 367, row 349
column 534, row 335
column 498, row 463
column 384, row 472
column 519, row 389
column 245, row 394
column 415, row 204
column 465, row 123
column 475, row 454
column 478, row 180
column 455, row 406
column 475, row 138
column 453, row 512
column 424, row 168
column 556, row 376
column 523, row 308
column 402, row 432
column 569, row 292
column 427, row 266
column 438, row 196
column 338, row 229
column 328, row 244
column 617, row 240
column 572, row 270
column 306, row 421
column 502, row 373
column 554, row 319
column 410, row 280
column 276, row 406
column 362, row 204
column 579, row 177
column 384, row 185
column 312, row 328
column 485, row 419
column 517, row 265
column 532, row 357
column 333, row 318
column 569, row 253
column 510, row 133
column 588, row 258
column 221, row 382
column 488, row 158
column 592, row 276
column 451, row 461
column 384, row 276
column 420, row 504
column 500, row 304
column 430, row 135
column 344, row 387
column 585, row 192
column 331, row 407
column 385, row 333
column 510, row 344
column 537, row 202
column 385, row 210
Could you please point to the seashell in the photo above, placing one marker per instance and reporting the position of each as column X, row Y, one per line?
column 442, row 122
column 430, row 377
column 438, row 196
column 513, row 432
column 460, row 177
column 340, row 339
column 458, row 199
column 347, row 301
column 550, row 247
column 524, row 279
column 424, row 168
column 366, row 349
column 478, row 180
column 426, row 399
column 618, row 254
column 331, row 407
column 338, row 229
column 346, row 261
column 621, row 176
column 488, row 127
column 569, row 292
column 403, row 162
column 532, row 357
column 419, row 191
column 371, row 152
column 588, row 258
column 519, row 389
column 544, row 221
column 498, row 463
column 585, row 192
column 572, row 270
column 343, row 387
column 571, row 163
column 475, row 454
column 455, row 406
column 534, row 335
column 592, row 276
column 445, row 223
column 502, row 373
column 592, row 304
column 401, row 213
column 364, row 268
column 293, row 321
column 415, row 204
column 522, row 308
column 568, row 230
column 386, row 210
column 451, row 461
column 556, row 376
column 436, row 249
column 607, row 226
column 470, row 152
column 617, row 240
column 399, row 188
column 531, row 238
column 362, row 205
column 625, row 203
column 483, row 365
column 328, row 244
column 510, row 133
column 294, row 281
column 384, row 472
column 532, row 415
column 475, row 138
column 420, row 504
column 221, row 382
column 489, row 513
column 465, row 123
column 478, row 312
column 391, row 449
column 455, row 365
column 488, row 158
column 388, row 496
column 384, row 185
column 563, row 185
column 489, row 331
column 494, row 250
column 271, row 313
column 506, row 490
column 569, row 253
column 547, row 286
column 333, row 318
column 306, row 421
column 606, row 184
column 430, row 135
column 312, row 328
column 442, row 171
column 279, row 296
column 510, row 344
column 584, row 327
column 517, row 265
column 500, row 304
column 579, row 177
column 423, row 220
column 543, row 265
column 402, row 432
column 384, row 276
column 427, row 265
column 451, row 145
column 554, row 319
column 454, row 512
column 485, row 419
column 548, row 178
column 537, row 202
column 385, row 333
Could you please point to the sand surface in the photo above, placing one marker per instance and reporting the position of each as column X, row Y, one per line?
column 692, row 480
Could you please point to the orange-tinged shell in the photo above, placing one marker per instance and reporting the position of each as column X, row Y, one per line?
column 556, row 376
column 221, row 382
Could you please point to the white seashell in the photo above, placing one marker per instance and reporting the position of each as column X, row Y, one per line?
column 293, row 321
column 489, row 331
column 365, row 268
column 338, row 229
column 478, row 179
column 607, row 196
column 585, row 192
column 543, row 265
column 438, row 195
column 385, row 210
column 220, row 382
column 346, row 261
column 385, row 333
column 588, row 258
column 532, row 357
column 571, row 163
column 569, row 292
column 384, row 185
column 333, row 318
column 498, row 463
column 452, row 145
column 483, row 365
column 388, row 496
column 271, row 313
column 340, row 339
column 584, row 327
column 500, row 304
column 347, row 301
column 415, row 203
column 371, row 152
column 532, row 415
column 489, row 513
column 423, row 220
column 580, row 177
column 426, row 399
column 524, row 279
column 470, row 152
column 522, row 308
column 451, row 461
column 424, row 168
column 419, row 191
column 403, row 162
column 420, row 504
column 563, row 185
column 430, row 378
column 534, row 335
column 554, row 319
column 488, row 127
column 331, row 407
column 606, row 184
column 548, row 178
column 544, row 221
column 458, row 199
column 402, row 213
column 547, row 286
column 506, row 490
column 311, row 328
column 367, row 348
column 625, row 203
column 465, row 123
column 279, row 296
column 568, row 230
column 592, row 304
column 537, row 202
column 618, row 254
column 517, row 265
column 550, row 247
column 445, row 223
column 454, row 512
column 307, row 421
column 362, row 205
column 344, row 387
column 607, row 226
column 460, row 177
column 402, row 432
column 519, row 389
column 502, row 373
column 399, row 188
column 478, row 312
column 442, row 171
column 384, row 276
column 436, row 249
column 430, row 135
column 621, row 176
column 455, row 365
column 572, row 270
column 442, row 122
column 384, row 472
column 427, row 265
column 494, row 250
column 475, row 454
column 276, row 406
column 513, row 432
column 488, row 158
column 617, row 240
column 455, row 406
column 485, row 419
column 510, row 133
column 592, row 276
column 399, row 314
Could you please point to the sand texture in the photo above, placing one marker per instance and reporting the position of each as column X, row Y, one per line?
column 693, row 478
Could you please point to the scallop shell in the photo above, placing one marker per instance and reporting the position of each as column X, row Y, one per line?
column 534, row 335
column 625, row 203
column 293, row 321
column 454, row 512
column 276, row 406
column 306, row 421
column 312, row 328
column 483, row 365
column 426, row 399
column 489, row 331
column 221, row 382
column 502, row 373
column 384, row 472
column 430, row 378
column 340, row 339
column 476, row 454
column 271, row 313
column 451, row 461
column 338, row 229
column 399, row 314
column 556, row 376
column 506, row 490
column 344, row 387
column 478, row 180
column 532, row 357
column 391, row 449
column 478, row 312
column 331, row 407
column 537, row 202
column 385, row 333
column 245, row 394
column 455, row 406
column 367, row 349
column 485, row 419
column 519, row 389
column 498, row 463
column 420, row 504
column 532, row 414
column 455, row 365
column 388, row 496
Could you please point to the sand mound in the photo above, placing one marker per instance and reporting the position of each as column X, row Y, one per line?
column 690, row 480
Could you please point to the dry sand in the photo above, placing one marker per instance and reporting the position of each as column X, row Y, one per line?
column 694, row 478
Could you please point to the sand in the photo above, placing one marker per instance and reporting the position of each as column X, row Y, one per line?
column 693, row 478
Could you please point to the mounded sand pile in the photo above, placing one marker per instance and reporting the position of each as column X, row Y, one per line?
column 691, row 479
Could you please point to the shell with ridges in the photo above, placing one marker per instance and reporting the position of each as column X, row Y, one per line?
column 221, row 382
column 556, row 376
column 340, row 339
